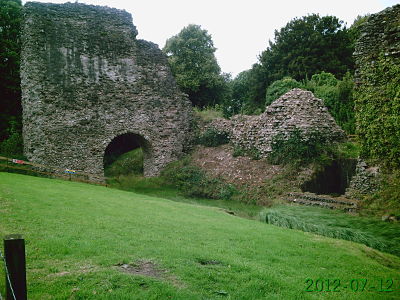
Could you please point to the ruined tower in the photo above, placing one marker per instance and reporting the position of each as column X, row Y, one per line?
column 86, row 81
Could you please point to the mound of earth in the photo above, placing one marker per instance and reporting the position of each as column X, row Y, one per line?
column 240, row 170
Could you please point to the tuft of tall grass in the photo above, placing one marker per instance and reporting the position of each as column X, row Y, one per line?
column 368, row 231
column 208, row 114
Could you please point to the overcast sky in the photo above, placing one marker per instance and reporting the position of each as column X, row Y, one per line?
column 240, row 29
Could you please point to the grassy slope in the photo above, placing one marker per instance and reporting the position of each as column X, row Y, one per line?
column 77, row 233
column 368, row 230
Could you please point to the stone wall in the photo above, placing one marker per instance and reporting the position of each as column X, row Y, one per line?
column 297, row 109
column 365, row 181
column 86, row 79
column 379, row 35
column 377, row 97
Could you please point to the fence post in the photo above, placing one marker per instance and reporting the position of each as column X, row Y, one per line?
column 14, row 253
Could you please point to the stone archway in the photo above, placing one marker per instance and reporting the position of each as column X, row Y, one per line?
column 126, row 142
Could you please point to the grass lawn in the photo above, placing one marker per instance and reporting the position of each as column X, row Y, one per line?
column 156, row 187
column 79, row 235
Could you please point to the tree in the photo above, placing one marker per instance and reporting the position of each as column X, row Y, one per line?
column 305, row 46
column 193, row 63
column 337, row 96
column 308, row 46
column 10, row 48
column 280, row 87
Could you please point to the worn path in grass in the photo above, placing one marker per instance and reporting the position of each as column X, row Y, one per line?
column 82, row 239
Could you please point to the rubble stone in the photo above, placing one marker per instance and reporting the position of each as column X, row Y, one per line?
column 297, row 109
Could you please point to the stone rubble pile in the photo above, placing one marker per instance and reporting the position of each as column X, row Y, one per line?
column 295, row 110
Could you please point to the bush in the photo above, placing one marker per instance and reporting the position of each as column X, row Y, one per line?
column 324, row 79
column 231, row 107
column 337, row 96
column 238, row 151
column 280, row 87
column 13, row 146
column 254, row 153
column 298, row 148
column 192, row 181
column 213, row 138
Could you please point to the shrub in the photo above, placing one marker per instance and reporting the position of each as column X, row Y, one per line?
column 280, row 87
column 12, row 146
column 324, row 79
column 297, row 148
column 192, row 181
column 231, row 107
column 337, row 96
column 213, row 138
column 238, row 151
column 254, row 153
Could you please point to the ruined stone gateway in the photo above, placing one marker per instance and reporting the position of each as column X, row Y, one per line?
column 87, row 83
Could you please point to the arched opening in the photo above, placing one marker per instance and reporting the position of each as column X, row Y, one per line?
column 125, row 155
column 332, row 179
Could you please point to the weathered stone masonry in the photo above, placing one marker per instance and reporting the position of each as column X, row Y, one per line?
column 379, row 35
column 86, row 79
column 295, row 110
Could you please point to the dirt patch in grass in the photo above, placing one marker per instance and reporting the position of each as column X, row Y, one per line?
column 241, row 170
column 205, row 262
column 149, row 269
column 143, row 267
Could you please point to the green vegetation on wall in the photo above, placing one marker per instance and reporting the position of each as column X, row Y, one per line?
column 298, row 149
column 378, row 110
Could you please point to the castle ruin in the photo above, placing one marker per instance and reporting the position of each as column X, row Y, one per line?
column 87, row 82
column 296, row 110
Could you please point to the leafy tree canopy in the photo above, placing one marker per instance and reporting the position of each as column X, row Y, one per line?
column 193, row 63
column 280, row 87
column 305, row 46
column 308, row 46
